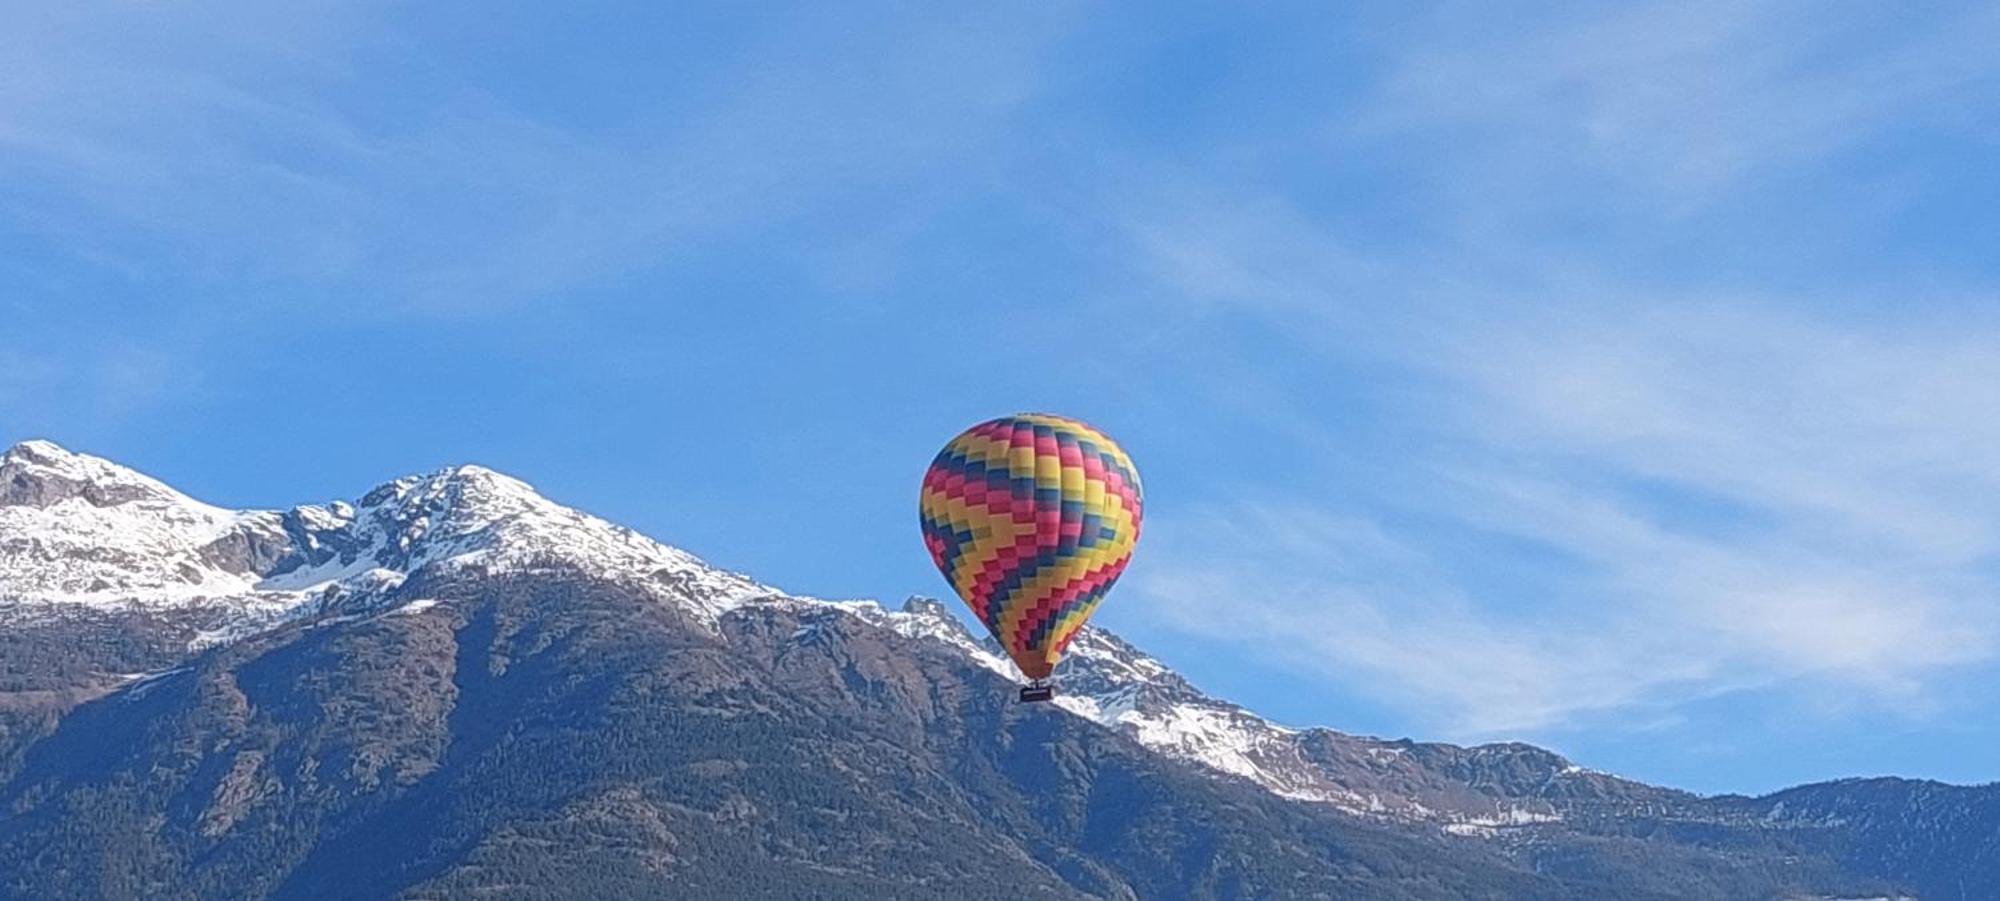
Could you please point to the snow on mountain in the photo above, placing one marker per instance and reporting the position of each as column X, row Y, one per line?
column 927, row 618
column 77, row 528
column 1106, row 680
column 1111, row 682
column 1486, row 791
column 81, row 533
column 472, row 516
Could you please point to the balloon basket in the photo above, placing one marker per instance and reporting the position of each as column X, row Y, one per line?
column 1039, row 691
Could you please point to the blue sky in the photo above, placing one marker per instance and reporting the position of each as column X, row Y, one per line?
column 1620, row 378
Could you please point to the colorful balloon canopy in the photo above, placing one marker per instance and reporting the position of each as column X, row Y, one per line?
column 1031, row 518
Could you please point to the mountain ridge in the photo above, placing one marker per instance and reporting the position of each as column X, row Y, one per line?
column 405, row 552
column 313, row 559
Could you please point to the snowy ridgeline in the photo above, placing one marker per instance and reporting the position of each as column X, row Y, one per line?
column 79, row 534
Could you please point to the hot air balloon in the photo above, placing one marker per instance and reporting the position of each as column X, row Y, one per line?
column 1031, row 518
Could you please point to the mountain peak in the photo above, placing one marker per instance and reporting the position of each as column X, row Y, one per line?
column 454, row 482
column 471, row 514
column 77, row 526
column 463, row 502
column 39, row 473
column 77, row 529
column 36, row 450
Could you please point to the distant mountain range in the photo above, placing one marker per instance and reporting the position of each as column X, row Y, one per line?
column 454, row 687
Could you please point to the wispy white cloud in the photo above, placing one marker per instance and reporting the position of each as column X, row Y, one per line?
column 1614, row 497
column 284, row 152
column 1686, row 99
column 1730, row 502
column 196, row 178
column 1348, row 601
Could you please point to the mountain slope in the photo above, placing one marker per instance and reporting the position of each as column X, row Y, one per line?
column 1470, row 790
column 546, row 727
column 453, row 686
column 107, row 574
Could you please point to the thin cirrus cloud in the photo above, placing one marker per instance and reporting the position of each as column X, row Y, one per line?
column 1684, row 100
column 346, row 151
column 214, row 175
column 1610, row 498
column 1705, row 503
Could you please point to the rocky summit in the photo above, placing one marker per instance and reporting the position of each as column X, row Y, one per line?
column 451, row 686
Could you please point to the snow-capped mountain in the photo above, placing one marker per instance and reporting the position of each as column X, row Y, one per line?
column 343, row 653
column 78, row 529
column 81, row 533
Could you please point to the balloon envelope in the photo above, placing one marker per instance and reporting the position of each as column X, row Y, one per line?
column 1031, row 518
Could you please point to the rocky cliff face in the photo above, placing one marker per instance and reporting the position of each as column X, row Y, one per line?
column 452, row 686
